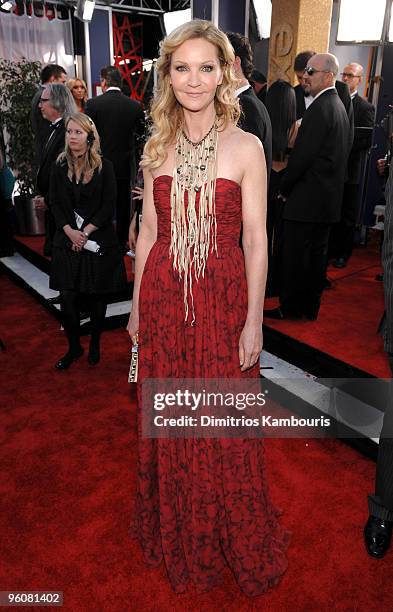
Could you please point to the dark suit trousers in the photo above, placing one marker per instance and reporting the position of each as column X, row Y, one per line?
column 302, row 269
column 342, row 234
column 381, row 504
column 123, row 206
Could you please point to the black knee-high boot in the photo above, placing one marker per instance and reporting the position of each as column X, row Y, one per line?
column 97, row 307
column 70, row 313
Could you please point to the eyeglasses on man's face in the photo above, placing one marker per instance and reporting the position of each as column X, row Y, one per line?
column 42, row 100
column 349, row 75
column 310, row 70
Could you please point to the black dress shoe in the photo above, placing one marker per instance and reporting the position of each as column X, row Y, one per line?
column 279, row 314
column 65, row 362
column 340, row 262
column 377, row 536
column 54, row 300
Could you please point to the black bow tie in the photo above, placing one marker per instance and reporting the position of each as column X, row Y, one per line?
column 54, row 126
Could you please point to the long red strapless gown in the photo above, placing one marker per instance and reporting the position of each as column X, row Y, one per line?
column 202, row 504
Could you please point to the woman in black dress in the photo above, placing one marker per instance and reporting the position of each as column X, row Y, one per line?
column 87, row 260
column 281, row 106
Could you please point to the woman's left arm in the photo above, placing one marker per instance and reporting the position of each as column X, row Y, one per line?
column 254, row 190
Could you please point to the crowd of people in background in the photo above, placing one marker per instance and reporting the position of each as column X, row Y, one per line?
column 81, row 196
column 300, row 228
column 289, row 122
column 311, row 190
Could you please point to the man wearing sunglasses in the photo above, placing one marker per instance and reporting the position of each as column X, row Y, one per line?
column 312, row 190
column 303, row 100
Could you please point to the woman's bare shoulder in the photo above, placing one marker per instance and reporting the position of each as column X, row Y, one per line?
column 238, row 152
column 242, row 141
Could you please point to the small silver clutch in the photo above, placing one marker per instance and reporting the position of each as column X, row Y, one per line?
column 133, row 373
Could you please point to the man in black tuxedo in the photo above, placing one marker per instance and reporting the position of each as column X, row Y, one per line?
column 312, row 190
column 119, row 121
column 364, row 113
column 378, row 529
column 52, row 73
column 56, row 102
column 255, row 118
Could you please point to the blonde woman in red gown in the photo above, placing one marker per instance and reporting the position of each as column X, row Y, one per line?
column 202, row 504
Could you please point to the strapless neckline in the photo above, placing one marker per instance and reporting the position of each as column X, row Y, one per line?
column 219, row 178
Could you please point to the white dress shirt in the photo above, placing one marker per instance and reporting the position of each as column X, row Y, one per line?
column 241, row 89
column 323, row 91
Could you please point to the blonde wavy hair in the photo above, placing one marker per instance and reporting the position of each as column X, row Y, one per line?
column 71, row 84
column 166, row 113
column 92, row 158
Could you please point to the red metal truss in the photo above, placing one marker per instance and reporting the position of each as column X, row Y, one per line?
column 127, row 50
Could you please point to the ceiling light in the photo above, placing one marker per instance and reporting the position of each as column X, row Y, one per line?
column 84, row 9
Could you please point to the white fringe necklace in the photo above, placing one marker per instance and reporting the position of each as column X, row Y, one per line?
column 193, row 232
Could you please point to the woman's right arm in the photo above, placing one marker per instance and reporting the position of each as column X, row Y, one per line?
column 146, row 239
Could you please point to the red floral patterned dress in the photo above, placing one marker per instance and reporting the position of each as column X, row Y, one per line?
column 202, row 504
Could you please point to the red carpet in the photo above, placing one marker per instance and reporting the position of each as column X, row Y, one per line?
column 349, row 316
column 67, row 467
column 35, row 243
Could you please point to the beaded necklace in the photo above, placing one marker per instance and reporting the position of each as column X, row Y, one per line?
column 193, row 232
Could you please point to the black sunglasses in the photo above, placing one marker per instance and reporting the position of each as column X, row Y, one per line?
column 44, row 99
column 310, row 70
